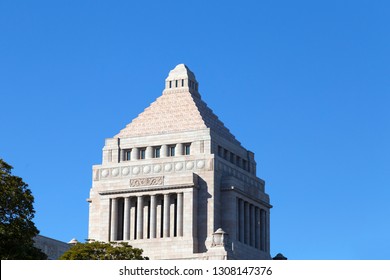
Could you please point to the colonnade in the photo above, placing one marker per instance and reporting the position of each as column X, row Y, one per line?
column 146, row 216
column 252, row 225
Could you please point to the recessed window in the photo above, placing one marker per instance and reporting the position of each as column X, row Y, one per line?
column 220, row 151
column 127, row 155
column 176, row 83
column 170, row 84
column 231, row 157
column 182, row 82
column 171, row 151
column 156, row 152
column 244, row 164
column 142, row 152
column 187, row 149
column 238, row 161
column 225, row 154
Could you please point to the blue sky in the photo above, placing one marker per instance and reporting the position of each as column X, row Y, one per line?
column 303, row 84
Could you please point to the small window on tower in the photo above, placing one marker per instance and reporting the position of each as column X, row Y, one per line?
column 187, row 149
column 171, row 150
column 231, row 157
column 238, row 161
column 220, row 151
column 142, row 152
column 225, row 154
column 244, row 164
column 156, row 152
column 182, row 83
column 127, row 155
column 170, row 84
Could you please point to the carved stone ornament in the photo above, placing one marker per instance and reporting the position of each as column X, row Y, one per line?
column 151, row 181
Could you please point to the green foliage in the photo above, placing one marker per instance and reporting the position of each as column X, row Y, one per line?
column 16, row 213
column 103, row 251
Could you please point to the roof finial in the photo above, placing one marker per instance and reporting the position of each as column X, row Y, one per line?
column 181, row 77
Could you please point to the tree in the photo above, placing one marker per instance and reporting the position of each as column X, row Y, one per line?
column 16, row 213
column 97, row 250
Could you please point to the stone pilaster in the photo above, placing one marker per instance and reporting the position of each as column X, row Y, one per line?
column 140, row 217
column 126, row 219
column 166, row 215
column 180, row 214
column 114, row 219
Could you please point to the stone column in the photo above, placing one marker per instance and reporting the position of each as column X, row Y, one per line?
column 114, row 219
column 247, row 224
column 134, row 154
column 257, row 228
column 179, row 149
column 180, row 214
column 166, row 215
column 133, row 218
column 153, row 207
column 262, row 230
column 267, row 232
column 122, row 155
column 149, row 152
column 140, row 217
column 146, row 217
column 159, row 212
column 164, row 151
column 252, row 225
column 126, row 219
column 242, row 221
column 172, row 221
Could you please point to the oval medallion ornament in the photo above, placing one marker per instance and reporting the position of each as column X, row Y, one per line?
column 136, row 170
column 168, row 167
column 125, row 171
column 179, row 166
column 200, row 164
column 190, row 165
column 157, row 168
column 115, row 172
column 146, row 169
column 105, row 173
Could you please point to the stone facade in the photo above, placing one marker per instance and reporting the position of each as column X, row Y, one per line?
column 176, row 183
column 53, row 248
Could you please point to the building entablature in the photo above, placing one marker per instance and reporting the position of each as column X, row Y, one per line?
column 253, row 187
column 161, row 138
column 169, row 167
column 149, row 190
column 118, row 150
column 259, row 199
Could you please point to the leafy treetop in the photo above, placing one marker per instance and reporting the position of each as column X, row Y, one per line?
column 16, row 213
column 97, row 250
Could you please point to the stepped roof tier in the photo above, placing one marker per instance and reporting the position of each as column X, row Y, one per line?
column 180, row 108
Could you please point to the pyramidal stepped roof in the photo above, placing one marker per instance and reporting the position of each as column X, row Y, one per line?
column 180, row 108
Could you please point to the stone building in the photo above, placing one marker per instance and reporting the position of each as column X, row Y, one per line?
column 53, row 248
column 176, row 183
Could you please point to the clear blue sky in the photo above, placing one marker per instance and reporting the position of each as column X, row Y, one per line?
column 303, row 84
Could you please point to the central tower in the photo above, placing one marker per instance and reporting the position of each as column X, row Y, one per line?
column 176, row 183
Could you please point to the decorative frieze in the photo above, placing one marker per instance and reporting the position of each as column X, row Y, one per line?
column 152, row 169
column 151, row 181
